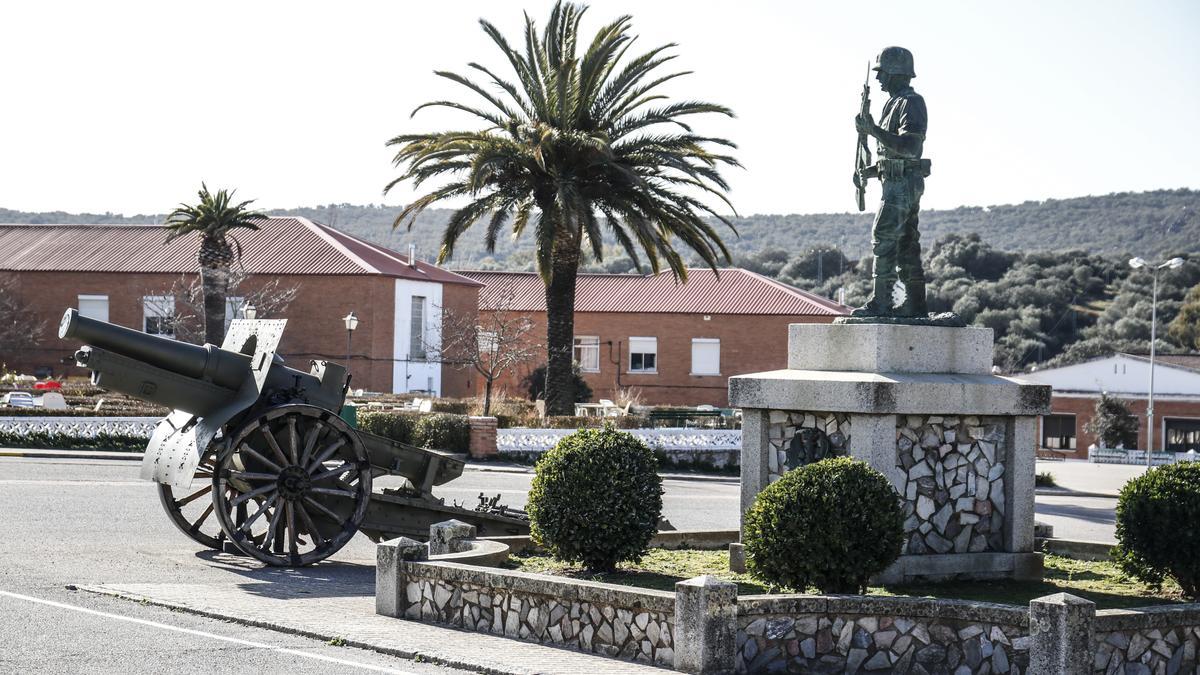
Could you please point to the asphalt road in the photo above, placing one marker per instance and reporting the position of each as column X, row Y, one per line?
column 74, row 522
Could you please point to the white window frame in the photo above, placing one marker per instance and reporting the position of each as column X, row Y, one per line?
column 706, row 341
column 653, row 341
column 99, row 315
column 158, row 307
column 586, row 352
column 418, row 352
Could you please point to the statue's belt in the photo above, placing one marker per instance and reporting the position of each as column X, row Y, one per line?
column 895, row 169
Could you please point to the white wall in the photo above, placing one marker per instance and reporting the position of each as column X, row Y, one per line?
column 416, row 375
column 1119, row 374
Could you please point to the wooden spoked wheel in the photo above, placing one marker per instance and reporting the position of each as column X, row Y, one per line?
column 192, row 513
column 292, row 486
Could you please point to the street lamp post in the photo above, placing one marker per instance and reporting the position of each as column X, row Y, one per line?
column 351, row 322
column 1138, row 263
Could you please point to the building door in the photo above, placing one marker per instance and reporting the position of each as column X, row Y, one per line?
column 1183, row 435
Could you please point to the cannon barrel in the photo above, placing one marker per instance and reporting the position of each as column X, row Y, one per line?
column 224, row 368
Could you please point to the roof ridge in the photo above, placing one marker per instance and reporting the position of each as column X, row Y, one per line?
column 319, row 230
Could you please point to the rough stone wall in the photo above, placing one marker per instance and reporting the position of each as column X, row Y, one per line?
column 954, row 491
column 630, row 633
column 1142, row 652
column 838, row 643
column 786, row 423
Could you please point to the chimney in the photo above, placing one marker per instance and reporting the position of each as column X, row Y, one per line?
column 412, row 255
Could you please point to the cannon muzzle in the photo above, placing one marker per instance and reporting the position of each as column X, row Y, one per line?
column 211, row 363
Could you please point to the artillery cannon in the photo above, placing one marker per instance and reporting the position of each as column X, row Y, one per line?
column 288, row 481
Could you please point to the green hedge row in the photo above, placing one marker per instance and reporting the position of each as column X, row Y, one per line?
column 440, row 431
column 63, row 441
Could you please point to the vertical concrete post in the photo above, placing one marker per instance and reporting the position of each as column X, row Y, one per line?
column 705, row 625
column 444, row 537
column 1019, row 483
column 1061, row 628
column 482, row 441
column 754, row 467
column 390, row 597
column 873, row 440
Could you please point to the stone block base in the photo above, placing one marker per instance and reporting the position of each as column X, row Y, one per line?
column 957, row 566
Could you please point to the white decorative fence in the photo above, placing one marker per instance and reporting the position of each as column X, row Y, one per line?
column 666, row 439
column 84, row 427
column 1115, row 456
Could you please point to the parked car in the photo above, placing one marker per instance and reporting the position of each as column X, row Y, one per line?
column 18, row 399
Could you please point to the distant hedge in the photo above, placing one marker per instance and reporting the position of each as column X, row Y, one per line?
column 58, row 440
column 439, row 431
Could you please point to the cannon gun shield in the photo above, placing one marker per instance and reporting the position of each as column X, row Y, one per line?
column 181, row 437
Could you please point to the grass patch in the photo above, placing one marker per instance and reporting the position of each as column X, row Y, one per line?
column 1044, row 479
column 1101, row 582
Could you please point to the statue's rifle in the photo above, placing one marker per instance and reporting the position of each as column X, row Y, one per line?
column 863, row 153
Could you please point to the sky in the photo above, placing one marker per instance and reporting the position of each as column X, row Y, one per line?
column 126, row 107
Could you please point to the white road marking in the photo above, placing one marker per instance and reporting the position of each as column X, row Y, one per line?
column 212, row 636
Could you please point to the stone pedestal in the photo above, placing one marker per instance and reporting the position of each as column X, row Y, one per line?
column 920, row 405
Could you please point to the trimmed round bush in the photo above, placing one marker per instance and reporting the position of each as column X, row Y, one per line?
column 596, row 499
column 832, row 524
column 1157, row 533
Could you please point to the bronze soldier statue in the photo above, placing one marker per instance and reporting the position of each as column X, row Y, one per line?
column 895, row 241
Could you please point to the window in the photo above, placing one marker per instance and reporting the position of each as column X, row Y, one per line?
column 233, row 309
column 587, row 353
column 416, row 333
column 643, row 355
column 1058, row 432
column 94, row 307
column 1182, row 435
column 706, row 356
column 158, row 315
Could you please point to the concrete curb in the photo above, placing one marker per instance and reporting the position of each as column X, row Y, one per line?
column 1062, row 492
column 1095, row 551
column 323, row 637
column 46, row 453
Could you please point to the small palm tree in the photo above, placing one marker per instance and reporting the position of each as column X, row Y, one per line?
column 575, row 145
column 214, row 217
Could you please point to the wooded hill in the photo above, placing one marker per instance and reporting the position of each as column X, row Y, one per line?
column 1149, row 224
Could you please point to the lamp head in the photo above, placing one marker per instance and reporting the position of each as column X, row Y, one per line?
column 1174, row 263
column 1137, row 263
column 250, row 311
column 351, row 321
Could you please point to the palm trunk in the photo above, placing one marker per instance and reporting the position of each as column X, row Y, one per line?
column 214, row 282
column 560, row 328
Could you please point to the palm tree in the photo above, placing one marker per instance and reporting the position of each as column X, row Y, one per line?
column 214, row 217
column 574, row 145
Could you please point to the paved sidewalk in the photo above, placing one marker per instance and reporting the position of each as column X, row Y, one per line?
column 1085, row 478
column 346, row 612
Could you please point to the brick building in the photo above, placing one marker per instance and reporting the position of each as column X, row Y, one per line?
column 1127, row 376
column 676, row 343
column 124, row 274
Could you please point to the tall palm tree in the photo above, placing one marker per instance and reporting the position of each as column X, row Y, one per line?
column 214, row 217
column 574, row 145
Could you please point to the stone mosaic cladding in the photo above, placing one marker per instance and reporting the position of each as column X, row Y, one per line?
column 836, row 643
column 954, row 491
column 784, row 426
column 1170, row 651
column 631, row 633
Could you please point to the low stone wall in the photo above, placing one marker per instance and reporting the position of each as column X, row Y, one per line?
column 805, row 633
column 607, row 619
column 1149, row 640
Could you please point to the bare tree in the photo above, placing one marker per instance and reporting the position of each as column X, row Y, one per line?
column 183, row 317
column 493, row 344
column 19, row 325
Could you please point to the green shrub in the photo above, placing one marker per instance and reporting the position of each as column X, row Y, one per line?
column 1157, row 532
column 442, row 431
column 1044, row 479
column 535, row 384
column 397, row 426
column 833, row 524
column 65, row 441
column 453, row 406
column 573, row 422
column 596, row 499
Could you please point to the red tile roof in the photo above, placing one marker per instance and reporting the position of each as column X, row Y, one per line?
column 281, row 246
column 737, row 291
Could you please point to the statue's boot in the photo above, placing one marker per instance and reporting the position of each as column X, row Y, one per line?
column 880, row 303
column 914, row 300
